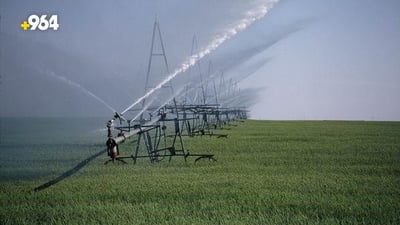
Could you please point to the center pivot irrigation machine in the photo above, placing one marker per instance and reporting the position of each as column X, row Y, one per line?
column 159, row 126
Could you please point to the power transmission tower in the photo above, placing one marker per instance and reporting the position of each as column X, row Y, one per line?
column 156, row 53
column 168, row 87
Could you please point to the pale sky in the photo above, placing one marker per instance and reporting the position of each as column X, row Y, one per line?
column 308, row 59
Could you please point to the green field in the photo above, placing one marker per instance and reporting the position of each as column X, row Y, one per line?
column 268, row 172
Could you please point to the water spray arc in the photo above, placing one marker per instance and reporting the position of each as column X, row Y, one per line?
column 81, row 88
column 251, row 17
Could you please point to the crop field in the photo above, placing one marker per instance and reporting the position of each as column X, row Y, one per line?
column 267, row 172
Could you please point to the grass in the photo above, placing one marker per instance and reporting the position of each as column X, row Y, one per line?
column 268, row 172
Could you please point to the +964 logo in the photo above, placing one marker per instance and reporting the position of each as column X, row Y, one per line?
column 40, row 22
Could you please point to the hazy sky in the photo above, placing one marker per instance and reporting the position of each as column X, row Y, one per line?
column 345, row 64
column 306, row 59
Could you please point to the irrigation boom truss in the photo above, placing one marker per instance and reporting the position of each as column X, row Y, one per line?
column 160, row 126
